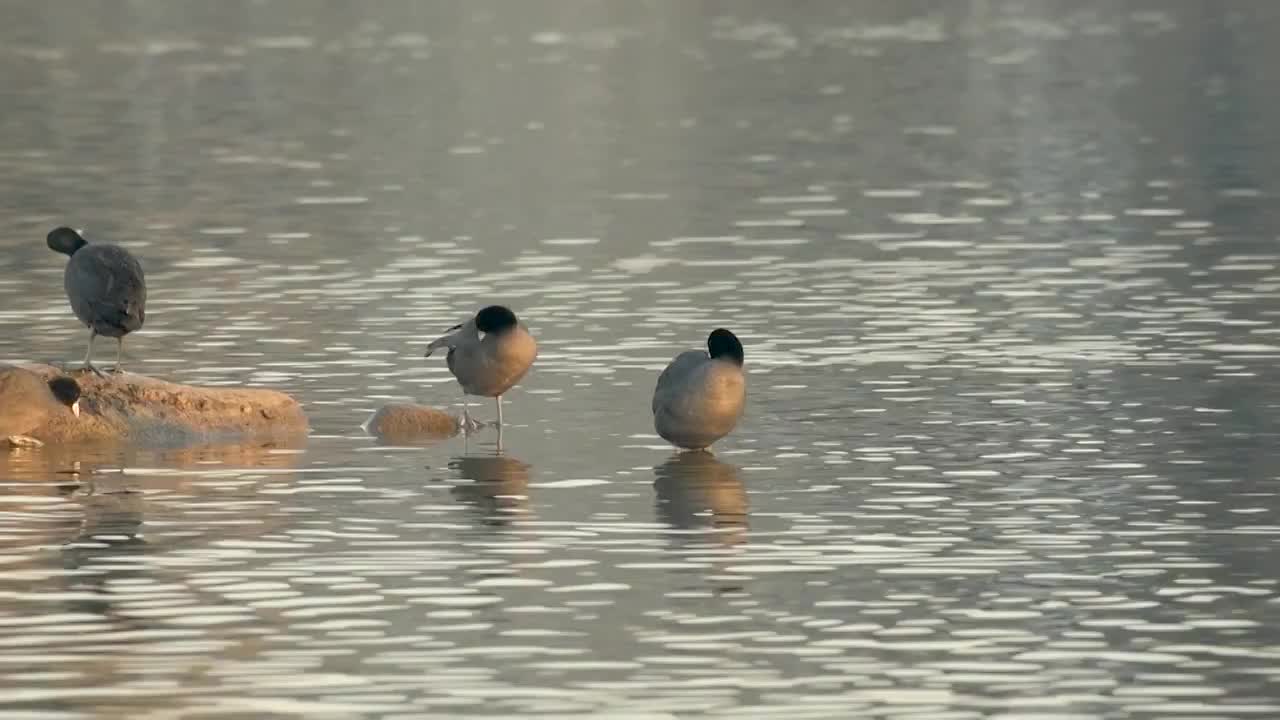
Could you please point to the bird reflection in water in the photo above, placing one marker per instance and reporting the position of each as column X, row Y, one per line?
column 112, row 519
column 496, row 485
column 695, row 491
column 106, row 548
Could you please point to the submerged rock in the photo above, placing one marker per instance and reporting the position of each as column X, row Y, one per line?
column 145, row 410
column 408, row 423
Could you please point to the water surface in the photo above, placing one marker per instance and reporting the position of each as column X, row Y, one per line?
column 1006, row 273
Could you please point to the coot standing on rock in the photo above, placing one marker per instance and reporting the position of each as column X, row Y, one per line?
column 105, row 286
column 27, row 401
column 700, row 396
column 488, row 354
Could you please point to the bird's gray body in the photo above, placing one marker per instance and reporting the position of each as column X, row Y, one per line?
column 107, row 289
column 488, row 354
column 493, row 364
column 26, row 402
column 698, row 400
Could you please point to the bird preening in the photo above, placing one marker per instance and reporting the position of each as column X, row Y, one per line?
column 106, row 289
column 701, row 395
column 29, row 401
column 488, row 354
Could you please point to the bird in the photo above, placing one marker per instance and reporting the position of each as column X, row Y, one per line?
column 701, row 395
column 488, row 354
column 27, row 401
column 105, row 286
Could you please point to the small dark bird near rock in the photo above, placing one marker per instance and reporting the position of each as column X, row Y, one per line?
column 27, row 402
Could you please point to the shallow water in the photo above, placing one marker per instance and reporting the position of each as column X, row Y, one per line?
column 1006, row 273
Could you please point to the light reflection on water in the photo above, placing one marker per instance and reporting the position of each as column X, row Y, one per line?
column 1006, row 277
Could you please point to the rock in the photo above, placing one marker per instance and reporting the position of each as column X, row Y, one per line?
column 408, row 423
column 148, row 411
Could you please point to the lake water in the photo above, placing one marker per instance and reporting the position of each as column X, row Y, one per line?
column 1006, row 274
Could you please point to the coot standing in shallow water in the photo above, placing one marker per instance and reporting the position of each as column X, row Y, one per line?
column 700, row 396
column 105, row 286
column 27, row 401
column 488, row 354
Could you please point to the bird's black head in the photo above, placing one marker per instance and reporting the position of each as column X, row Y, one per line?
column 66, row 390
column 723, row 344
column 65, row 240
column 495, row 319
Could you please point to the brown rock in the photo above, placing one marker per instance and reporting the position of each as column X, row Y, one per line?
column 407, row 423
column 145, row 410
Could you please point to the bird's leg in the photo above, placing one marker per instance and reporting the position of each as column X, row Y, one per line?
column 498, row 399
column 88, row 356
column 468, row 425
column 119, row 368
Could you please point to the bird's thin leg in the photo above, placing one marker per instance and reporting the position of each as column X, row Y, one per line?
column 119, row 368
column 467, row 426
column 88, row 356
column 498, row 399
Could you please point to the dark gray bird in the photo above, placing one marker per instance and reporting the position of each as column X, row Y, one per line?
column 105, row 286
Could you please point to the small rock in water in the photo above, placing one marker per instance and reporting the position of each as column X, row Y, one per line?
column 403, row 421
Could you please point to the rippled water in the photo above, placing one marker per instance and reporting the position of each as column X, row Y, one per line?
column 1006, row 273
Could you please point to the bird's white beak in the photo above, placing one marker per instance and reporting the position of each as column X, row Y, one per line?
column 75, row 408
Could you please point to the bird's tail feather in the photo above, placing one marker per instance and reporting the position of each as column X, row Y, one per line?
column 445, row 341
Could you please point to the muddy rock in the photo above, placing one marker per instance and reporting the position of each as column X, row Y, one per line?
column 404, row 422
column 146, row 410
